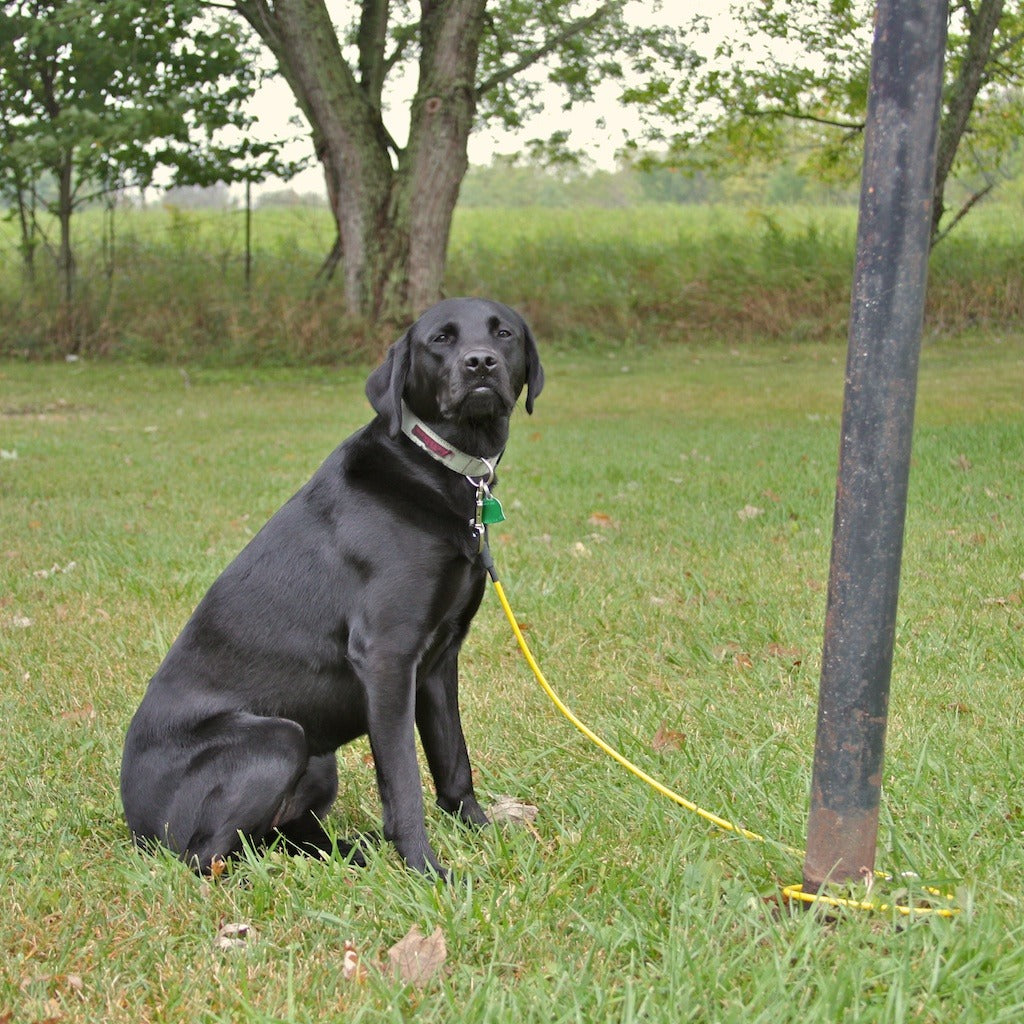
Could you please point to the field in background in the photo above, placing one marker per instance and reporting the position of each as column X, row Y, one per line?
column 666, row 551
column 167, row 285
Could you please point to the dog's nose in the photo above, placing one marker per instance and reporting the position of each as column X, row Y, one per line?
column 480, row 361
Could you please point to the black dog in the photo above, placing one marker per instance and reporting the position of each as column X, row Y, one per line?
column 342, row 617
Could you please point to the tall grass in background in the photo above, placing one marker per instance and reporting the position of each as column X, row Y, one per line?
column 169, row 286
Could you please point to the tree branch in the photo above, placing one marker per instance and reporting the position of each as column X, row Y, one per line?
column 1007, row 45
column 938, row 236
column 960, row 99
column 570, row 31
column 371, row 39
column 797, row 115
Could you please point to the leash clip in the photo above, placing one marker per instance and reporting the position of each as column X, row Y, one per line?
column 477, row 522
column 488, row 508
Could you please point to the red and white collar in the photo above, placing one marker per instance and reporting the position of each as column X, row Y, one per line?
column 438, row 448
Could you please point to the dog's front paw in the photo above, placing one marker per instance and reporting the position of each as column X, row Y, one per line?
column 467, row 809
column 420, row 857
column 473, row 814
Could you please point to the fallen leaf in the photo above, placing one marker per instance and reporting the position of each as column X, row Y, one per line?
column 83, row 714
column 750, row 512
column 352, row 968
column 962, row 462
column 667, row 739
column 232, row 935
column 416, row 959
column 54, row 570
column 742, row 660
column 958, row 707
column 791, row 654
column 600, row 519
column 508, row 808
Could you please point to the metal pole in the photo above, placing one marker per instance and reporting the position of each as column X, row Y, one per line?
column 874, row 460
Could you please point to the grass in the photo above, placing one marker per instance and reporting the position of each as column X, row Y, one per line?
column 170, row 288
column 666, row 552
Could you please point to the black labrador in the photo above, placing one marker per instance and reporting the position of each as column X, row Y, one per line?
column 342, row 617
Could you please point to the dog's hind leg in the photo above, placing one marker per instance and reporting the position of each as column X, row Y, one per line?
column 299, row 821
column 248, row 779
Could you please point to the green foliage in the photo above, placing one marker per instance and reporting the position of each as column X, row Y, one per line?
column 96, row 97
column 614, row 47
column 124, row 88
column 791, row 80
column 667, row 549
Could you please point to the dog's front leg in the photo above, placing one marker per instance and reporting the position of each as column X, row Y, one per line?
column 391, row 727
column 444, row 743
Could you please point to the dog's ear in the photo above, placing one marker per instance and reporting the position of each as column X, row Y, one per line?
column 534, row 371
column 386, row 385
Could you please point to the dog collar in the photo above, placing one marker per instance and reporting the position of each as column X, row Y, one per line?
column 438, row 448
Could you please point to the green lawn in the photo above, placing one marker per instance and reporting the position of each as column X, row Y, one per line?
column 666, row 551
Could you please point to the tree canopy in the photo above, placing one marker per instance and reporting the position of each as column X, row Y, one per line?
column 98, row 96
column 800, row 71
column 393, row 174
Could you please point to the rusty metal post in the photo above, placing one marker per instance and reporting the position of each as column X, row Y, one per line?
column 878, row 413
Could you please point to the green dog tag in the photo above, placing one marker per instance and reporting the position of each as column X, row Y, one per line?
column 492, row 511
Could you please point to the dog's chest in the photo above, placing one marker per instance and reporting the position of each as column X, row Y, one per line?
column 454, row 604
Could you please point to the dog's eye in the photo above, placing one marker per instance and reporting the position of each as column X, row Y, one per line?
column 441, row 339
column 504, row 332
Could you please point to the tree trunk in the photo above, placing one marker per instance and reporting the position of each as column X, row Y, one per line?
column 437, row 160
column 65, row 254
column 26, row 200
column 393, row 207
column 960, row 98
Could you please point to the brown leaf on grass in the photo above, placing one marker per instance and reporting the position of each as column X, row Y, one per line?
column 601, row 519
column 233, row 935
column 352, row 968
column 508, row 808
column 667, row 739
column 959, row 708
column 417, row 959
column 83, row 714
column 962, row 462
column 790, row 654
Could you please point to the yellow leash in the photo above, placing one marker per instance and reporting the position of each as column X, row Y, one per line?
column 791, row 892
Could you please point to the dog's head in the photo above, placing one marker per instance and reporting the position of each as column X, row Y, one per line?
column 461, row 368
